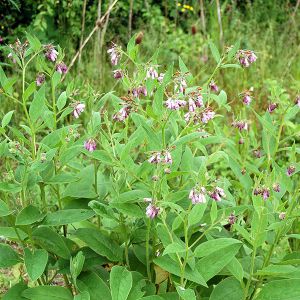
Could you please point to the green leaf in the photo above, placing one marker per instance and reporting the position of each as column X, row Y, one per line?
column 76, row 265
column 10, row 233
column 83, row 296
column 4, row 210
column 10, row 187
column 67, row 216
column 61, row 101
column 213, row 211
column 29, row 91
column 236, row 269
column 228, row 288
column 174, row 248
column 35, row 262
column 37, row 106
column 14, row 293
column 29, row 215
column 158, row 100
column 196, row 213
column 8, row 257
column 236, row 66
column 211, row 246
column 34, row 42
column 288, row 289
column 172, row 267
column 212, row 264
column 186, row 294
column 100, row 243
column 49, row 240
column 48, row 293
column 215, row 52
column 6, row 119
column 56, row 79
column 120, row 283
column 94, row 285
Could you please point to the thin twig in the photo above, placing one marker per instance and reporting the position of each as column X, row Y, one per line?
column 82, row 28
column 97, row 26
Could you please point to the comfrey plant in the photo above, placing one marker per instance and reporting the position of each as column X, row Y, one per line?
column 164, row 191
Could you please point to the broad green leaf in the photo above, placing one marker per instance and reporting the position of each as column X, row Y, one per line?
column 51, row 241
column 35, row 262
column 186, row 294
column 213, row 211
column 174, row 248
column 215, row 52
column 172, row 267
column 94, row 285
column 48, row 293
column 29, row 91
column 196, row 213
column 67, row 216
column 229, row 288
column 10, row 187
column 29, row 215
column 76, row 265
column 4, row 210
column 6, row 119
column 83, row 296
column 236, row 269
column 15, row 292
column 158, row 100
column 8, row 257
column 288, row 289
column 100, row 243
column 34, row 42
column 56, row 79
column 37, row 106
column 61, row 101
column 212, row 264
column 10, row 233
column 120, row 283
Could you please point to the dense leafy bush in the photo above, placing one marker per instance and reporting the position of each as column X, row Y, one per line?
column 165, row 192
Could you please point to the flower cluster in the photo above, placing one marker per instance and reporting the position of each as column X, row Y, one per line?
column 123, row 113
column 152, row 73
column 217, row 194
column 152, row 210
column 50, row 53
column 78, row 109
column 175, row 104
column 241, row 125
column 61, row 68
column 213, row 87
column 272, row 107
column 246, row 96
column 161, row 157
column 290, row 170
column 139, row 91
column 263, row 191
column 197, row 195
column 115, row 54
column 90, row 145
column 40, row 79
column 246, row 57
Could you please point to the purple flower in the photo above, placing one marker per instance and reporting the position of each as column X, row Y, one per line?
column 1, row 40
column 257, row 191
column 151, row 73
column 118, row 74
column 11, row 57
column 217, row 194
column 247, row 99
column 182, row 85
column 115, row 55
column 265, row 193
column 197, row 195
column 232, row 219
column 122, row 114
column 297, row 101
column 142, row 91
column 272, row 107
column 276, row 187
column 207, row 115
column 252, row 57
column 61, row 68
column 161, row 76
column 40, row 79
column 246, row 57
column 175, row 104
column 213, row 86
column 187, row 117
column 168, row 158
column 192, row 105
column 78, row 109
column 199, row 101
column 282, row 215
column 155, row 158
column 257, row 153
column 152, row 211
column 51, row 53
column 290, row 170
column 244, row 62
column 90, row 145
column 241, row 125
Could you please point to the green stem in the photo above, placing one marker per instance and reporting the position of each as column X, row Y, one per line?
column 147, row 249
column 53, row 103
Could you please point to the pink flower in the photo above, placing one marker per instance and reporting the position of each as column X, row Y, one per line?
column 244, row 62
column 297, row 101
column 51, row 53
column 122, row 114
column 199, row 101
column 272, row 107
column 247, row 99
column 115, row 55
column 252, row 57
column 213, row 86
column 78, row 109
column 40, row 79
column 151, row 73
column 217, row 194
column 265, row 193
column 241, row 125
column 152, row 211
column 207, row 115
column 282, row 215
column 11, row 57
column 155, row 158
column 175, row 104
column 168, row 158
column 192, row 105
column 61, row 68
column 197, row 195
column 161, row 76
column 90, row 145
column 290, row 170
column 246, row 57
column 232, row 219
column 118, row 74
column 149, row 200
column 276, row 187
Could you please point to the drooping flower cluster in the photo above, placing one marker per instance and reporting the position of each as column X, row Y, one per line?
column 257, row 153
column 152, row 210
column 51, row 54
column 246, row 57
column 180, row 83
column 175, row 104
column 152, row 73
column 118, row 74
column 282, row 215
column 61, row 68
column 213, row 87
column 40, row 79
column 90, row 145
column 217, row 194
column 232, row 219
column 161, row 157
column 263, row 191
column 115, row 54
column 197, row 195
column 276, row 187
column 78, row 109
column 241, row 125
column 139, row 91
column 123, row 113
column 272, row 107
column 246, row 96
column 290, row 170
